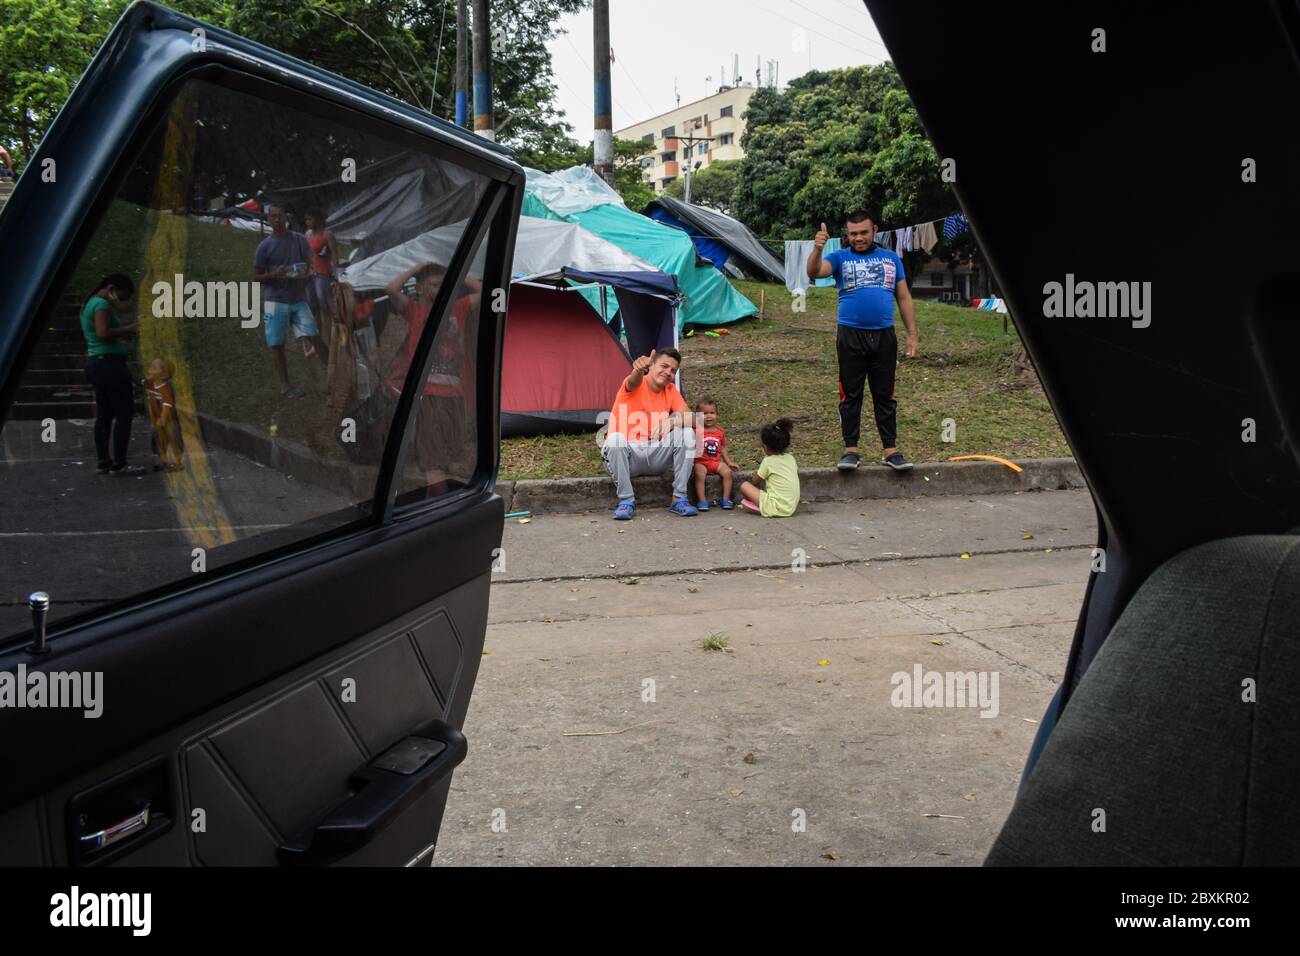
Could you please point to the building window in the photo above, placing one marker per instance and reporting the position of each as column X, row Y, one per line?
column 706, row 119
column 648, row 138
column 686, row 153
column 668, row 157
column 726, row 111
column 668, row 179
column 726, row 139
column 669, row 131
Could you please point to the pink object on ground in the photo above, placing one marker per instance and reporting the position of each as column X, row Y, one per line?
column 749, row 506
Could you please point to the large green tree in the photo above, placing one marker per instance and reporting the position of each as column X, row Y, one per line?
column 831, row 142
column 406, row 48
column 712, row 186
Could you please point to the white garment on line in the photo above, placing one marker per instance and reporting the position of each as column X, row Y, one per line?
column 797, row 252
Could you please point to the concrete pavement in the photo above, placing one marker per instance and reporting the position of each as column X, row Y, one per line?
column 601, row 732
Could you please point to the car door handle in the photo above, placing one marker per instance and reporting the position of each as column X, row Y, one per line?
column 383, row 788
column 119, row 831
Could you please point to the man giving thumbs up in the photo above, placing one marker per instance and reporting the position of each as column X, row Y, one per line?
column 870, row 279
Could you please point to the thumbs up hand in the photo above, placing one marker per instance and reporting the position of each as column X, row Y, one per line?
column 642, row 365
column 819, row 240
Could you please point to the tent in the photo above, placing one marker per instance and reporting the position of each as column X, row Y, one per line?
column 563, row 357
column 724, row 241
column 578, row 195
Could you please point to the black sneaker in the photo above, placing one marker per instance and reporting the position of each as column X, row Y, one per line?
column 848, row 462
column 127, row 470
column 897, row 462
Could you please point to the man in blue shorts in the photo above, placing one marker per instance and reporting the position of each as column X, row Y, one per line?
column 869, row 280
column 281, row 265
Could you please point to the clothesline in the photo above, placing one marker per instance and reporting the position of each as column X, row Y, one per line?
column 943, row 219
column 922, row 235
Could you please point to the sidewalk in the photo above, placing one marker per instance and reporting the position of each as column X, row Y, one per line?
column 795, row 719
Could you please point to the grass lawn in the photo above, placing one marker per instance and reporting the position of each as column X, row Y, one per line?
column 780, row 365
column 784, row 365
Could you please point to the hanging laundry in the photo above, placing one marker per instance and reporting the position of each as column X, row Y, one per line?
column 954, row 225
column 797, row 252
column 926, row 238
column 885, row 239
column 904, row 240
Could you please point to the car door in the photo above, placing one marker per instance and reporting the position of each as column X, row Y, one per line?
column 1179, row 415
column 260, row 647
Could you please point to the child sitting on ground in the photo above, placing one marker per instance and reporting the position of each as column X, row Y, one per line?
column 161, row 399
column 714, row 459
column 778, row 473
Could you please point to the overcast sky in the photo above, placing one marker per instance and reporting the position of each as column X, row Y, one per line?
column 694, row 40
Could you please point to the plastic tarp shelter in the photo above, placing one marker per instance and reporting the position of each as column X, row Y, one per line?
column 563, row 358
column 578, row 195
column 724, row 241
column 391, row 199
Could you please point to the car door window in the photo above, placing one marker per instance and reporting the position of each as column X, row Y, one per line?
column 214, row 380
column 441, row 447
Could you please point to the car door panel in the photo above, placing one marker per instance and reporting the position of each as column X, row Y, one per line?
column 249, row 700
column 268, row 764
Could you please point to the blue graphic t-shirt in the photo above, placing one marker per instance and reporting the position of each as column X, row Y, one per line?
column 866, row 284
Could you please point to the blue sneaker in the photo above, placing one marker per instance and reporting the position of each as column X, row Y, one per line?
column 684, row 508
column 701, row 506
column 624, row 510
column 727, row 504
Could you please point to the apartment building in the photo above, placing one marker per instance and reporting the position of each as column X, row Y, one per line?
column 719, row 117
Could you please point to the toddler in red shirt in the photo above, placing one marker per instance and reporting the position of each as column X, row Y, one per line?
column 712, row 457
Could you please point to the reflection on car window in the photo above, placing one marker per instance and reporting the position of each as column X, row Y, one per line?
column 217, row 377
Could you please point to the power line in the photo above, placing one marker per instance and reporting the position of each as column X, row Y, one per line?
column 824, row 36
column 841, row 27
column 644, row 98
column 433, row 93
column 590, row 72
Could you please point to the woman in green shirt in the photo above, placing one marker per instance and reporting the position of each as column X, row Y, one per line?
column 107, row 371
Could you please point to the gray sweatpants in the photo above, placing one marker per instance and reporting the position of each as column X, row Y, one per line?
column 625, row 460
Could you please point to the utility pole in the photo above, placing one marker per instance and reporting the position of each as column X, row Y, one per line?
column 483, row 69
column 603, row 146
column 462, row 63
column 690, row 142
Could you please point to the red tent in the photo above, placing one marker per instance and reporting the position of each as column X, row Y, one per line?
column 562, row 364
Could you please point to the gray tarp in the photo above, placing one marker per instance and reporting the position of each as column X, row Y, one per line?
column 755, row 258
column 542, row 248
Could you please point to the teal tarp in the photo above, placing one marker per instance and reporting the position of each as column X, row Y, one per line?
column 709, row 298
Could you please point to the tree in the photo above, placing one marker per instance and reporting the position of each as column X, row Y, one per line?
column 405, row 48
column 712, row 186
column 44, row 46
column 832, row 142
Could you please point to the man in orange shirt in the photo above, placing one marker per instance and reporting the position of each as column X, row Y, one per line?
column 650, row 429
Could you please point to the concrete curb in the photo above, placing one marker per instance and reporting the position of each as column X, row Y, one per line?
column 566, row 495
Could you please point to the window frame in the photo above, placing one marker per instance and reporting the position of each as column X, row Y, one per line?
column 337, row 104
